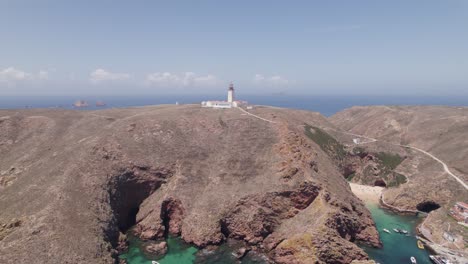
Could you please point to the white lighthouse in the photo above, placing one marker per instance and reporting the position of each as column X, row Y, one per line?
column 230, row 98
column 231, row 101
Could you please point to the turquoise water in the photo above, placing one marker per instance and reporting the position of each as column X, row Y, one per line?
column 178, row 252
column 182, row 253
column 397, row 248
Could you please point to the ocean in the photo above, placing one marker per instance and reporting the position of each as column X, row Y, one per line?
column 325, row 104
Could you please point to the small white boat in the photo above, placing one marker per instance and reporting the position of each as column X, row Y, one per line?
column 154, row 262
column 404, row 231
column 386, row 230
column 413, row 260
column 396, row 230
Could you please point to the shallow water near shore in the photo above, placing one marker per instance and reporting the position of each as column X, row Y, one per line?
column 178, row 252
column 397, row 248
column 183, row 253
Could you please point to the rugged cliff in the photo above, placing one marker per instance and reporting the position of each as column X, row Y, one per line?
column 72, row 181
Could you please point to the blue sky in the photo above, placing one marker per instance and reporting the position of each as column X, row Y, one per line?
column 298, row 47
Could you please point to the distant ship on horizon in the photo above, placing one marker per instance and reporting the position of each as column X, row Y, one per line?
column 81, row 103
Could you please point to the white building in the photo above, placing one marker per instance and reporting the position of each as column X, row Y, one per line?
column 216, row 104
column 231, row 101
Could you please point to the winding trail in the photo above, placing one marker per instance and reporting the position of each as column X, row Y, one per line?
column 371, row 140
column 446, row 168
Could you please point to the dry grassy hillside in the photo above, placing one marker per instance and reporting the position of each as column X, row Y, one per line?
column 440, row 131
column 72, row 181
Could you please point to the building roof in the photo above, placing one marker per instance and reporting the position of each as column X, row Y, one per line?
column 462, row 204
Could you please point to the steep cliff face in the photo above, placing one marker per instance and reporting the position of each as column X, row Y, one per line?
column 77, row 180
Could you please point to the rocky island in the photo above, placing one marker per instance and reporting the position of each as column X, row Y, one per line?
column 73, row 182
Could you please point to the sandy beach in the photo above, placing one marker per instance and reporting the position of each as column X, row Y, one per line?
column 366, row 193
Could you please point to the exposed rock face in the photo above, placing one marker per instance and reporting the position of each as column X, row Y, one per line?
column 441, row 131
column 172, row 215
column 438, row 130
column 157, row 248
column 253, row 218
column 82, row 178
column 7, row 228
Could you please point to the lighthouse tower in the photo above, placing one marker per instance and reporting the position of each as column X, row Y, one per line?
column 230, row 98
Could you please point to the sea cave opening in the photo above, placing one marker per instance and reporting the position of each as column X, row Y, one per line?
column 380, row 183
column 427, row 206
column 131, row 218
column 127, row 192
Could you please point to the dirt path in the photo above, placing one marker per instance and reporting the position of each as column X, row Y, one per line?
column 446, row 168
column 261, row 118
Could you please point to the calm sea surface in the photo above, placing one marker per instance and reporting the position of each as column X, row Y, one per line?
column 397, row 248
column 327, row 105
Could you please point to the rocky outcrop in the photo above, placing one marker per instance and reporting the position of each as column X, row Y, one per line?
column 438, row 130
column 172, row 214
column 122, row 243
column 8, row 227
column 255, row 217
column 205, row 175
column 156, row 249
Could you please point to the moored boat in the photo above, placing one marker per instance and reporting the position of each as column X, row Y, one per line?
column 420, row 244
column 413, row 260
column 386, row 230
column 404, row 231
column 396, row 230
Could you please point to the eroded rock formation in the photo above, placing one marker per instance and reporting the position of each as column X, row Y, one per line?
column 205, row 175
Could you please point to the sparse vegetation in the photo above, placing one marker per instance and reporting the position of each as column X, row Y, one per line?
column 358, row 150
column 382, row 169
column 326, row 142
column 351, row 176
column 389, row 160
column 398, row 179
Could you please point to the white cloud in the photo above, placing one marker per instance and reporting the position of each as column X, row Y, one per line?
column 185, row 79
column 12, row 75
column 274, row 80
column 101, row 75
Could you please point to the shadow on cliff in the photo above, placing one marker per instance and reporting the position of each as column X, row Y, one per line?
column 128, row 188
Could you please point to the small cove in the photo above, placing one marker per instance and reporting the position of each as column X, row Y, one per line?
column 397, row 248
column 183, row 253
